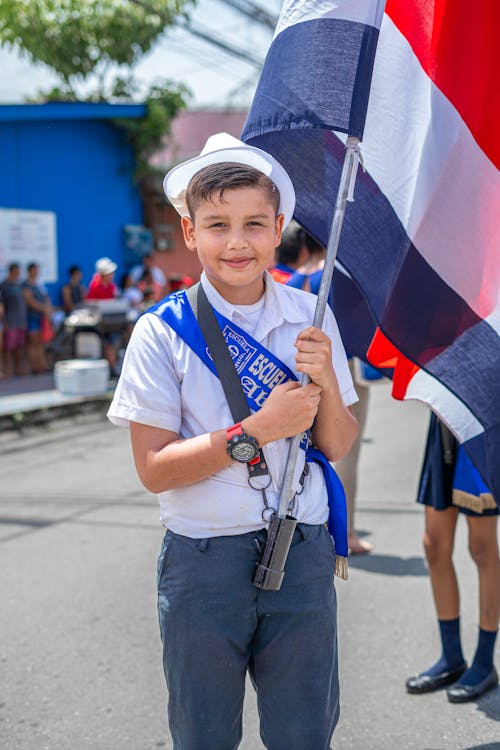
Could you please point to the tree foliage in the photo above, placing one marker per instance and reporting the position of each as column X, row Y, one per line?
column 77, row 38
column 94, row 46
column 145, row 136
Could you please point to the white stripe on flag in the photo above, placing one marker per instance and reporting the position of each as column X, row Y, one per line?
column 369, row 12
column 455, row 414
column 442, row 186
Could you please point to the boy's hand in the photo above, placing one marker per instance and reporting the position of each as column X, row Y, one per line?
column 314, row 357
column 288, row 410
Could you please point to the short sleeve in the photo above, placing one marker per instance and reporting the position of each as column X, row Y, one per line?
column 148, row 390
column 339, row 359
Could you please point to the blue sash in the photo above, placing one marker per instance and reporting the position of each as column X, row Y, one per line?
column 260, row 371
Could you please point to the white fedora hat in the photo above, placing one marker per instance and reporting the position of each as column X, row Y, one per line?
column 223, row 147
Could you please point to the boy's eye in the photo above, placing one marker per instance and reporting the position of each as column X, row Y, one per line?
column 255, row 223
column 216, row 225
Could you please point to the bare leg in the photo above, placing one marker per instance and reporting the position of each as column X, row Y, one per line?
column 18, row 361
column 481, row 675
column 439, row 537
column 36, row 352
column 483, row 546
column 110, row 354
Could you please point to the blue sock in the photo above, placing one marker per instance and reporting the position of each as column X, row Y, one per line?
column 451, row 656
column 482, row 665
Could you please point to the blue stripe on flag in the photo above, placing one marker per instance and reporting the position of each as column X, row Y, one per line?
column 296, row 91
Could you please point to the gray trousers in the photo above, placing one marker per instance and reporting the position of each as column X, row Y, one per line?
column 216, row 625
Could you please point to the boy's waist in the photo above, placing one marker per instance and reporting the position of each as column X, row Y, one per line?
column 302, row 531
column 215, row 508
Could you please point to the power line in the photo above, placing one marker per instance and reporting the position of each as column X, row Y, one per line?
column 254, row 12
column 220, row 43
column 206, row 34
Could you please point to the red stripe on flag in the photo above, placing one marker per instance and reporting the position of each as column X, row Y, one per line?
column 381, row 353
column 457, row 45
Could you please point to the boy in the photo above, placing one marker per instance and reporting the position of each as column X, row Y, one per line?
column 234, row 201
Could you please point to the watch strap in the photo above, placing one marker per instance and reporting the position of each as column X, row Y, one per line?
column 235, row 429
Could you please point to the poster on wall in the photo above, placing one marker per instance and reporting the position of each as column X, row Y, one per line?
column 27, row 236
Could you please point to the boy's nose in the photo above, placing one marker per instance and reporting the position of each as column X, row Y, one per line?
column 237, row 240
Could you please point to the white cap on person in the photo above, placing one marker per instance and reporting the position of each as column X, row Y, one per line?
column 223, row 147
column 105, row 266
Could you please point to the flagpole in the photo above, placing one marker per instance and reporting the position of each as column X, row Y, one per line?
column 344, row 193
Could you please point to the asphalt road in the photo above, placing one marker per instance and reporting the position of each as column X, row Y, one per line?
column 80, row 664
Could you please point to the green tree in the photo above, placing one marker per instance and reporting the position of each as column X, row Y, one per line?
column 94, row 46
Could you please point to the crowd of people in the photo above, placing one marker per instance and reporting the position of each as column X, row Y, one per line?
column 29, row 317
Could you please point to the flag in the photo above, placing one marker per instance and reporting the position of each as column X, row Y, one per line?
column 421, row 241
column 291, row 94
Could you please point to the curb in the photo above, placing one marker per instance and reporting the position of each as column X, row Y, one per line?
column 43, row 407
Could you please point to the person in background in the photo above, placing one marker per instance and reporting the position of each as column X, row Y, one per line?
column 347, row 467
column 307, row 276
column 131, row 291
column 39, row 307
column 15, row 321
column 147, row 282
column 148, row 299
column 102, row 285
column 73, row 292
column 450, row 484
column 290, row 254
column 147, row 264
column 176, row 282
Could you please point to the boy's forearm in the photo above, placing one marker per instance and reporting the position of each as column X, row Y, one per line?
column 179, row 463
column 335, row 428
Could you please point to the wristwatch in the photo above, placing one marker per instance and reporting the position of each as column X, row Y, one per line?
column 240, row 446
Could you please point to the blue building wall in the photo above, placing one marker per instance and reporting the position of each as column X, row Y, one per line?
column 77, row 166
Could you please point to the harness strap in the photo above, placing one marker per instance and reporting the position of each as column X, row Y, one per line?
column 224, row 365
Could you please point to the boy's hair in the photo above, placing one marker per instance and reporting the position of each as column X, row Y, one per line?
column 217, row 178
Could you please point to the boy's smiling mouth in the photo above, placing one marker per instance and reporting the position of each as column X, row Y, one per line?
column 237, row 262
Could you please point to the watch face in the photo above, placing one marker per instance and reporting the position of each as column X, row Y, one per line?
column 243, row 451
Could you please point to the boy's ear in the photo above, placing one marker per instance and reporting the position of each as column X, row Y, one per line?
column 188, row 232
column 280, row 218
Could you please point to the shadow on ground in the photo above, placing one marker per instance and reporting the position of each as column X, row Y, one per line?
column 489, row 704
column 389, row 565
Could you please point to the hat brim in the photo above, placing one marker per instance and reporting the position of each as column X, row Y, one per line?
column 177, row 179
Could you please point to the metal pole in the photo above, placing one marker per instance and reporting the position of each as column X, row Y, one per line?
column 346, row 177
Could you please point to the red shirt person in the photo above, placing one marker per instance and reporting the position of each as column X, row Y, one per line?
column 102, row 285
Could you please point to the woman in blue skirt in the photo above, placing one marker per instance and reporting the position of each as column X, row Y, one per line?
column 449, row 485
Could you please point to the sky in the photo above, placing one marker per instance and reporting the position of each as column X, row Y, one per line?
column 215, row 78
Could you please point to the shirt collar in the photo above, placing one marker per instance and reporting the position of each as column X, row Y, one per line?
column 277, row 306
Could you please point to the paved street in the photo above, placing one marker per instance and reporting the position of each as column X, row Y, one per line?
column 80, row 665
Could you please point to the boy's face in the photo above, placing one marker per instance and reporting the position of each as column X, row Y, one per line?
column 235, row 240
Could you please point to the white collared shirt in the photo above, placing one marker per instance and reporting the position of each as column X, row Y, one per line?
column 165, row 384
